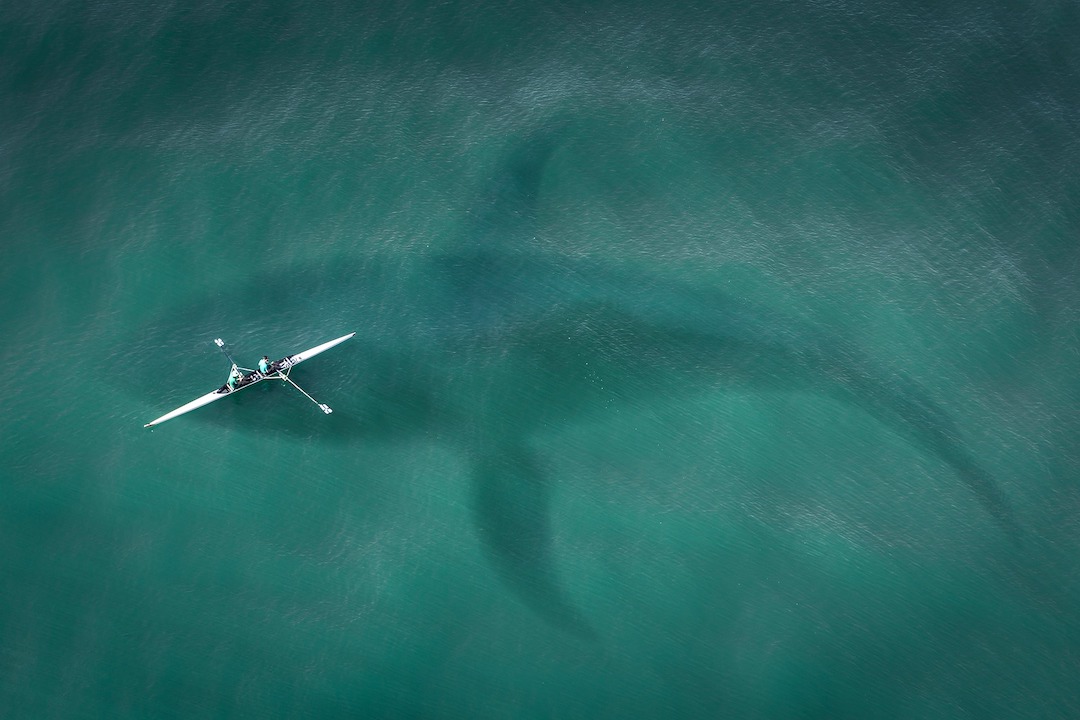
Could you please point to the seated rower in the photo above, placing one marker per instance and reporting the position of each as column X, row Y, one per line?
column 234, row 378
column 264, row 365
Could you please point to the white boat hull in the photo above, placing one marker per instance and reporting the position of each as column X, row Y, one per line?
column 308, row 354
column 281, row 366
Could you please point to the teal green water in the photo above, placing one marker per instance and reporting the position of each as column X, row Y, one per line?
column 710, row 361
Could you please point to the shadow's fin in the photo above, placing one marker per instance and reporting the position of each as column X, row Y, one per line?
column 513, row 520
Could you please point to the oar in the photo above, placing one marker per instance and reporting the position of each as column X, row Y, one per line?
column 325, row 408
column 221, row 344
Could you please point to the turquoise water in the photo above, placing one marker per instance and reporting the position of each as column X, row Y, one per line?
column 710, row 361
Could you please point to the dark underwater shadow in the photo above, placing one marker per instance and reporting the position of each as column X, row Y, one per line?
column 489, row 313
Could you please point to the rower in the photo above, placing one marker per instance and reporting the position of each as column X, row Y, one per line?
column 264, row 365
column 234, row 378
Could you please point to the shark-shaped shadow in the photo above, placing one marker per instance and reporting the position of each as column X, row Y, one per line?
column 482, row 346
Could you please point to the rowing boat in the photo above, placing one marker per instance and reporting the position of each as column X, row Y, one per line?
column 278, row 371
